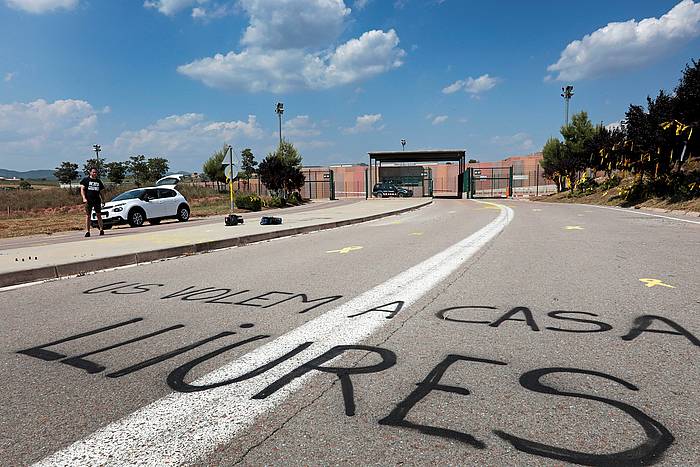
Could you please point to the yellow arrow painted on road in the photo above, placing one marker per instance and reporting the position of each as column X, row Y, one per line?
column 416, row 233
column 346, row 250
column 573, row 227
column 654, row 282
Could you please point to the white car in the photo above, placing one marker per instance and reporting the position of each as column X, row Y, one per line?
column 152, row 204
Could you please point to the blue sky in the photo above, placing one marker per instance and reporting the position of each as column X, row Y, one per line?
column 179, row 78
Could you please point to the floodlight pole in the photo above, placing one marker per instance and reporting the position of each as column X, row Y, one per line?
column 403, row 144
column 97, row 148
column 279, row 110
column 567, row 94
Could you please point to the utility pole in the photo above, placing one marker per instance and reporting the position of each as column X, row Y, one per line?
column 279, row 110
column 567, row 94
column 97, row 148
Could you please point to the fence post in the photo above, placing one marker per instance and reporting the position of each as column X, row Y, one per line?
column 366, row 183
column 332, row 185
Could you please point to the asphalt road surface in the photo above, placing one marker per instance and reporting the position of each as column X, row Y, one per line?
column 463, row 333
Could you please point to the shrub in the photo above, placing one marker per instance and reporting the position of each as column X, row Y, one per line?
column 611, row 182
column 295, row 199
column 273, row 202
column 251, row 202
column 25, row 185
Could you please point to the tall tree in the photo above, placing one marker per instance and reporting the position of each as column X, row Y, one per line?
column 248, row 165
column 214, row 166
column 281, row 170
column 138, row 166
column 116, row 171
column 67, row 172
column 553, row 162
column 577, row 137
column 157, row 168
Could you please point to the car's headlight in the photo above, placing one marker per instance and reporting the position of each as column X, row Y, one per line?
column 118, row 209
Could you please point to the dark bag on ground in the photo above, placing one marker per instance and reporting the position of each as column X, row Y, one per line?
column 233, row 219
column 269, row 220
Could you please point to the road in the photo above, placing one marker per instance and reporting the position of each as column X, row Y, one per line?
column 463, row 333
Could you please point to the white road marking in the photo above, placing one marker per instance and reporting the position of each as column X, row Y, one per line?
column 646, row 214
column 184, row 428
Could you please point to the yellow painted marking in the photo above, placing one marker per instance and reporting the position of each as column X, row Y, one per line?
column 416, row 233
column 537, row 210
column 346, row 250
column 653, row 282
column 396, row 222
column 490, row 205
column 573, row 227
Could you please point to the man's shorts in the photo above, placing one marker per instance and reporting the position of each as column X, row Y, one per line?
column 90, row 205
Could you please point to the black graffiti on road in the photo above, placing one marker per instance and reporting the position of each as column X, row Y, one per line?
column 217, row 295
column 640, row 325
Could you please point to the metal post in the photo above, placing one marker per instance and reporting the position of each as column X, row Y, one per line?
column 332, row 185
column 97, row 148
column 537, row 177
column 509, row 194
column 366, row 183
column 230, row 179
column 567, row 94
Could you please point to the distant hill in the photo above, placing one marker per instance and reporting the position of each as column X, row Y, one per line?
column 29, row 174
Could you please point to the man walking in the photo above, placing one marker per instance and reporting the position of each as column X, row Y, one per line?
column 91, row 188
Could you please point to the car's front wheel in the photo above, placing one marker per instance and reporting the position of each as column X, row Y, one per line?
column 183, row 213
column 136, row 218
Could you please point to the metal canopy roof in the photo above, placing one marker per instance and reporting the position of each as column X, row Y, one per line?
column 432, row 155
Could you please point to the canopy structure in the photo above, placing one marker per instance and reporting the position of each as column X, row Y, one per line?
column 416, row 157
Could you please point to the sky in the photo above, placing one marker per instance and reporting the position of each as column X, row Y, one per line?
column 180, row 78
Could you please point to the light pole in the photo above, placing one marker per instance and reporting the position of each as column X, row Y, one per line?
column 97, row 148
column 567, row 94
column 403, row 144
column 279, row 110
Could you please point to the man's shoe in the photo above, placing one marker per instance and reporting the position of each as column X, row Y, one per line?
column 87, row 234
column 102, row 232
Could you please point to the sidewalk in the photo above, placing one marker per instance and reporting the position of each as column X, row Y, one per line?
column 34, row 263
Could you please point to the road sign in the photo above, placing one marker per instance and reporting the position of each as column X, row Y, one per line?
column 477, row 171
column 326, row 175
column 227, row 171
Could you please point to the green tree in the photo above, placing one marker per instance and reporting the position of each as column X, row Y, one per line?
column 577, row 142
column 157, row 168
column 66, row 172
column 116, row 171
column 214, row 166
column 138, row 166
column 553, row 166
column 248, row 165
column 281, row 170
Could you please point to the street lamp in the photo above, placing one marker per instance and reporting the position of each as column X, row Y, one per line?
column 279, row 110
column 403, row 144
column 567, row 94
column 97, row 149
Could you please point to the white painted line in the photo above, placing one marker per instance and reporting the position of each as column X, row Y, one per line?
column 636, row 211
column 183, row 428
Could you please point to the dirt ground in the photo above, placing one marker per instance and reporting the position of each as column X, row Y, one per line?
column 607, row 198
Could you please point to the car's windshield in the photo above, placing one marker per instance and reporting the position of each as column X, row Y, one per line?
column 132, row 194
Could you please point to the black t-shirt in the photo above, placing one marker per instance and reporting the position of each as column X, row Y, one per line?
column 92, row 188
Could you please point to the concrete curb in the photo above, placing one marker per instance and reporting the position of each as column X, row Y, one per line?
column 83, row 267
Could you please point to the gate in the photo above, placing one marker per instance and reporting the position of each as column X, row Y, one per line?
column 318, row 184
column 488, row 182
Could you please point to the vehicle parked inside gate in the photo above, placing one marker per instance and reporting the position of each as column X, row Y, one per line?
column 152, row 204
column 389, row 189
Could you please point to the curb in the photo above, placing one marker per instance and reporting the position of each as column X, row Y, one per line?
column 82, row 267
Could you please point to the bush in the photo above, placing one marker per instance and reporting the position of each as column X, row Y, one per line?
column 25, row 185
column 611, row 182
column 251, row 202
column 273, row 202
column 295, row 199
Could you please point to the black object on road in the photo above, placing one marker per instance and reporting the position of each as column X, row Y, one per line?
column 233, row 219
column 269, row 220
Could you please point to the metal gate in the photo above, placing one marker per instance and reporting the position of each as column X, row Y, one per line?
column 318, row 184
column 488, row 182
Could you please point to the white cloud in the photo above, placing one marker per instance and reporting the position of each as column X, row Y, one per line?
column 365, row 123
column 361, row 4
column 622, row 46
column 9, row 76
column 188, row 137
column 300, row 126
column 41, row 6
column 39, row 132
column 440, row 119
column 256, row 69
column 292, row 24
column 515, row 143
column 474, row 86
column 172, row 7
